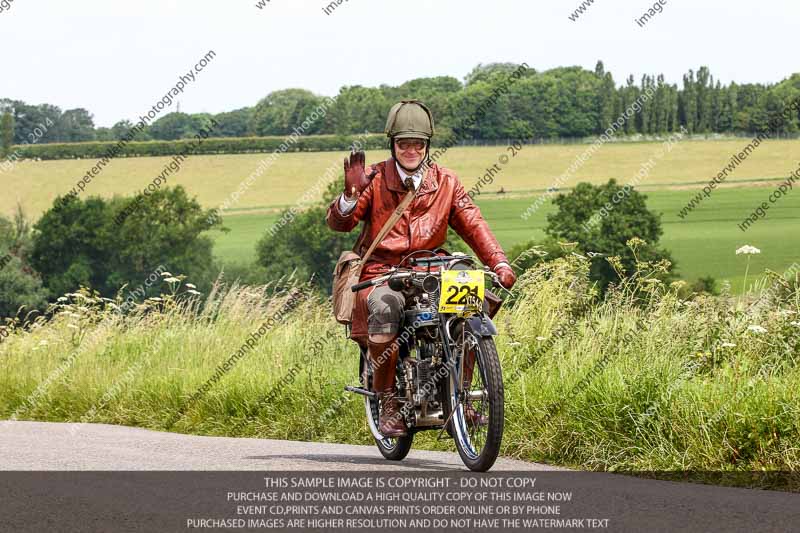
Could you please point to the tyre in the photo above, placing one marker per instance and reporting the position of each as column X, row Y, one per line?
column 393, row 449
column 478, row 444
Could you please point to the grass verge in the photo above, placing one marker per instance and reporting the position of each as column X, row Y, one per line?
column 708, row 384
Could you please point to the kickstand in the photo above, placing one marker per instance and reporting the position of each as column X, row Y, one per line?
column 439, row 436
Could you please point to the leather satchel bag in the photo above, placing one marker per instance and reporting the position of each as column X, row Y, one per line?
column 347, row 271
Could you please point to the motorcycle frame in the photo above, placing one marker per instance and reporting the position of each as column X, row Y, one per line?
column 480, row 325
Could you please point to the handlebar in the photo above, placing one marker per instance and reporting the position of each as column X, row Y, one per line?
column 363, row 285
column 437, row 259
column 377, row 281
column 410, row 274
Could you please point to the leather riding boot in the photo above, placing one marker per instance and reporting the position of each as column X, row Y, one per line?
column 473, row 417
column 383, row 357
column 391, row 421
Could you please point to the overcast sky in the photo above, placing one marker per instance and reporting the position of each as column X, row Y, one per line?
column 117, row 58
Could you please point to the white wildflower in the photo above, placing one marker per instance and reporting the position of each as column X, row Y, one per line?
column 795, row 324
column 747, row 249
column 728, row 345
column 191, row 286
column 171, row 280
column 195, row 293
column 541, row 338
column 755, row 328
column 166, row 274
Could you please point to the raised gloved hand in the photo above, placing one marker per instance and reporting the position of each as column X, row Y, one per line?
column 355, row 179
column 506, row 275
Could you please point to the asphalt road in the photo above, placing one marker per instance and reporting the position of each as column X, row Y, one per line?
column 60, row 477
column 56, row 446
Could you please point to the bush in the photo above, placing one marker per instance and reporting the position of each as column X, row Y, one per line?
column 244, row 274
column 603, row 220
column 20, row 285
column 20, row 289
column 80, row 244
column 217, row 145
column 214, row 145
column 304, row 245
column 706, row 285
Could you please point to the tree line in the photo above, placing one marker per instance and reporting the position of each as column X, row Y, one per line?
column 557, row 103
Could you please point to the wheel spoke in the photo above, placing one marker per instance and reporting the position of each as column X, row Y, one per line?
column 473, row 396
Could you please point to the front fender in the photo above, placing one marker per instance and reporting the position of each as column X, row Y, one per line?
column 482, row 325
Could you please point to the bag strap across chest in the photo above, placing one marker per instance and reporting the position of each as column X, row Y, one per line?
column 396, row 214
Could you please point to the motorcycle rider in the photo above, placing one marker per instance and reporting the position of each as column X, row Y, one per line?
column 440, row 200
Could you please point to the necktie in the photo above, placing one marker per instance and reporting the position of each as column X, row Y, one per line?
column 409, row 183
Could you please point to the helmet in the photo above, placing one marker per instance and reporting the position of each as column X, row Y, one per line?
column 409, row 119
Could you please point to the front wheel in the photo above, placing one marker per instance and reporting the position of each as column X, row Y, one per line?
column 478, row 442
column 393, row 449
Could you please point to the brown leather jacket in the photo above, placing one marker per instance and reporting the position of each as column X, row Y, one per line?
column 440, row 200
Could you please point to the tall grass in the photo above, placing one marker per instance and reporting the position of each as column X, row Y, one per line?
column 642, row 380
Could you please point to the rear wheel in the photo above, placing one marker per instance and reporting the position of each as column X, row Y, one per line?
column 394, row 449
column 477, row 444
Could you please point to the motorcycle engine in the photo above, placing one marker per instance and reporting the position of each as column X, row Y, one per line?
column 426, row 381
column 422, row 313
column 423, row 317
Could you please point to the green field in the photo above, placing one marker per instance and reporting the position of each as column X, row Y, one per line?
column 213, row 178
column 702, row 244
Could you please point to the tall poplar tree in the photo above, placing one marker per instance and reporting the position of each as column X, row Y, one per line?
column 6, row 133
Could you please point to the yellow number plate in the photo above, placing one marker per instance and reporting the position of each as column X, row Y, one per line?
column 462, row 290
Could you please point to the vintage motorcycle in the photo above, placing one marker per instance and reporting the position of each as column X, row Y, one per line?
column 445, row 329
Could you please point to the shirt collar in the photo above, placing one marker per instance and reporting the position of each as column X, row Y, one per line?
column 417, row 176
